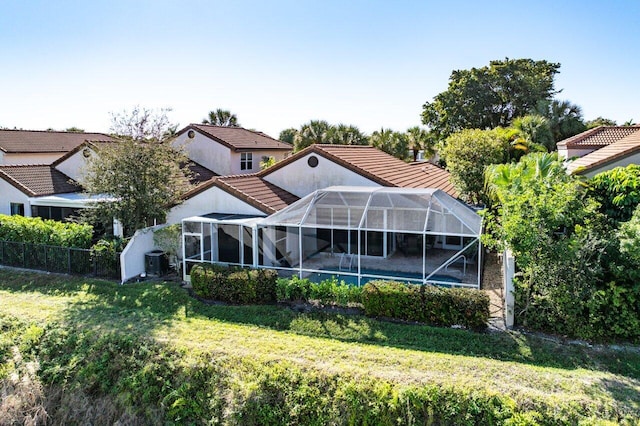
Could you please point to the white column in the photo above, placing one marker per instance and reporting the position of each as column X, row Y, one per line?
column 509, row 270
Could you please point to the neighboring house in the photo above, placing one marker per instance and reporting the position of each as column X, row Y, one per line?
column 621, row 153
column 593, row 139
column 229, row 150
column 40, row 147
column 39, row 191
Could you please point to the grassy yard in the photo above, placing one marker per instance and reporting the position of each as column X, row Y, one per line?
column 533, row 371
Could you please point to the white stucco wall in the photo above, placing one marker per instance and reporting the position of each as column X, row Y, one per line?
column 30, row 158
column 9, row 194
column 132, row 257
column 564, row 152
column 213, row 200
column 203, row 150
column 301, row 179
column 74, row 166
column 235, row 158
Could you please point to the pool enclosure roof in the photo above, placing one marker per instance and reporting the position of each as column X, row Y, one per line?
column 409, row 210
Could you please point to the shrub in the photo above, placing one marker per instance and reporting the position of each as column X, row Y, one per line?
column 428, row 304
column 38, row 231
column 232, row 285
column 329, row 291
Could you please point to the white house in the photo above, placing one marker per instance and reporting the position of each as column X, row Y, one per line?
column 229, row 150
column 40, row 147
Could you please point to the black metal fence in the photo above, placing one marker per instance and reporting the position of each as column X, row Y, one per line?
column 65, row 260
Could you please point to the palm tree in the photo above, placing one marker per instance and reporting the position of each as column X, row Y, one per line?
column 221, row 117
column 420, row 139
column 312, row 132
column 532, row 133
column 393, row 143
column 565, row 118
column 343, row 134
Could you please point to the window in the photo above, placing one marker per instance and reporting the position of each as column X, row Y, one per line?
column 246, row 161
column 17, row 208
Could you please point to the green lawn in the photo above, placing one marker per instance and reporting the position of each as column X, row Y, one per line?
column 529, row 369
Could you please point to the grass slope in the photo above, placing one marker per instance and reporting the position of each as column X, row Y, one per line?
column 532, row 371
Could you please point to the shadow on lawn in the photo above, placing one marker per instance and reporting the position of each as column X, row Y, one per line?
column 140, row 308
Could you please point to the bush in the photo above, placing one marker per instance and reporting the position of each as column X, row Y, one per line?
column 329, row 291
column 427, row 304
column 38, row 231
column 232, row 285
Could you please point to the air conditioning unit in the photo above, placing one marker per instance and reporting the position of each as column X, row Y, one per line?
column 156, row 263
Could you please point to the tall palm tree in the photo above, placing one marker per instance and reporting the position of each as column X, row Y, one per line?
column 565, row 118
column 343, row 134
column 393, row 143
column 532, row 133
column 221, row 117
column 420, row 139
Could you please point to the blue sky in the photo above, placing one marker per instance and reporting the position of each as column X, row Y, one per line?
column 279, row 64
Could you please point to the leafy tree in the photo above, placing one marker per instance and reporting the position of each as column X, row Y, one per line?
column 312, row 132
column 221, row 117
column 288, row 135
column 617, row 191
column 74, row 130
column 491, row 96
column 142, row 173
column 564, row 118
column 532, row 133
column 267, row 162
column 467, row 153
column 393, row 143
column 420, row 139
column 343, row 134
column 600, row 121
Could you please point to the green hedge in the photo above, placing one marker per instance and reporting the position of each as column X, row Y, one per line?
column 427, row 304
column 329, row 291
column 38, row 231
column 234, row 285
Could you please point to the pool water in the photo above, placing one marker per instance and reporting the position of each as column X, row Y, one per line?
column 397, row 276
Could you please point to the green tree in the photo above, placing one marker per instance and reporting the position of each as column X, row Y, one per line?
column 221, row 117
column 313, row 132
column 600, row 121
column 393, row 143
column 74, row 129
column 617, row 191
column 142, row 173
column 420, row 139
column 532, row 133
column 564, row 118
column 288, row 135
column 467, row 153
column 491, row 96
column 343, row 134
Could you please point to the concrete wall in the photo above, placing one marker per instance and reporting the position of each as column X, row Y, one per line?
column 132, row 257
column 9, row 194
column 213, row 200
column 75, row 165
column 564, row 152
column 301, row 179
column 204, row 150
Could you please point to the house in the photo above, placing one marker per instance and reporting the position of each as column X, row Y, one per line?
column 621, row 153
column 40, row 147
column 592, row 140
column 229, row 150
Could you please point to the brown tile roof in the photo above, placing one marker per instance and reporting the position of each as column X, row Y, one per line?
column 238, row 138
column 38, row 180
column 252, row 189
column 34, row 141
column 199, row 173
column 616, row 151
column 599, row 136
column 377, row 166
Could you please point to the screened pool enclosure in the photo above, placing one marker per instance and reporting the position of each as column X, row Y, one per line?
column 353, row 233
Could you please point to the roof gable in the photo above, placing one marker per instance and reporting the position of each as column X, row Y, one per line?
column 239, row 138
column 377, row 166
column 36, row 141
column 38, row 180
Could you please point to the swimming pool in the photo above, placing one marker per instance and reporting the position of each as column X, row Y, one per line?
column 373, row 274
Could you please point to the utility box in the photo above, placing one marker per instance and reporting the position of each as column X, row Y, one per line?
column 156, row 263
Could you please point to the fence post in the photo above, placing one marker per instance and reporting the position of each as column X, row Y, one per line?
column 24, row 255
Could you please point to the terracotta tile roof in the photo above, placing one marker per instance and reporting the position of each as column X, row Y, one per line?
column 252, row 189
column 34, row 141
column 599, row 136
column 38, row 180
column 199, row 173
column 616, row 151
column 377, row 166
column 238, row 138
